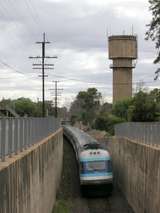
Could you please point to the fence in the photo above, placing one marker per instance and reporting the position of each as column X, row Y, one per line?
column 17, row 134
column 148, row 133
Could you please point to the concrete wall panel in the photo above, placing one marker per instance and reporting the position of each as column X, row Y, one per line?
column 137, row 172
column 29, row 181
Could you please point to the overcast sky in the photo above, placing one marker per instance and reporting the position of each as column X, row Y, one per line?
column 78, row 32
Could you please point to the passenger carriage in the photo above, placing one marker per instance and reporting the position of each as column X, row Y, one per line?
column 95, row 164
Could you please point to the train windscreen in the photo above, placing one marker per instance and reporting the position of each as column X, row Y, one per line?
column 96, row 166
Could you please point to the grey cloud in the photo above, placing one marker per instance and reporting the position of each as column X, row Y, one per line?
column 77, row 30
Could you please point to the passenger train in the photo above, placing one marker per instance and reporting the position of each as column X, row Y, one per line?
column 94, row 162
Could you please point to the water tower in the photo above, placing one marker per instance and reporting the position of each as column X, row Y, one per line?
column 123, row 52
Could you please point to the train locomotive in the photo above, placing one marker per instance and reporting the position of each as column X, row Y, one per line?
column 94, row 162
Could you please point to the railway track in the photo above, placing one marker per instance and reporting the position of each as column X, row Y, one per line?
column 70, row 194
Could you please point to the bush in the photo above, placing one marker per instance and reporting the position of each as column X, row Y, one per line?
column 106, row 122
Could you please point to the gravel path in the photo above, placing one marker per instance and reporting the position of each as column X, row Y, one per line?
column 70, row 191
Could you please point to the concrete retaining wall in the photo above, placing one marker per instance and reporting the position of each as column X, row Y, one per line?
column 137, row 172
column 29, row 181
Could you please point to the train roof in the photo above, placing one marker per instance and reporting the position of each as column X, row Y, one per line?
column 83, row 140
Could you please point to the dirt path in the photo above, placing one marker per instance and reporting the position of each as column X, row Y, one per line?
column 69, row 199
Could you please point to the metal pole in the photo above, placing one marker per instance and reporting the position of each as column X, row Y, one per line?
column 43, row 86
column 56, row 110
column 3, row 138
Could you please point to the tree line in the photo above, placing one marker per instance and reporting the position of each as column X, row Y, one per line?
column 27, row 107
column 87, row 108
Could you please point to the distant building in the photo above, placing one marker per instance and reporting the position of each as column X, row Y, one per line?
column 122, row 50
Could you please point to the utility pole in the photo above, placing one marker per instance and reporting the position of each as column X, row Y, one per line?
column 56, row 89
column 42, row 66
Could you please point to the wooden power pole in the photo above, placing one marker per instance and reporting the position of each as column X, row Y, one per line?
column 43, row 66
column 56, row 89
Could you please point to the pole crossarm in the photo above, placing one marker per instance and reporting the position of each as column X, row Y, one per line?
column 39, row 68
column 37, row 57
column 50, row 65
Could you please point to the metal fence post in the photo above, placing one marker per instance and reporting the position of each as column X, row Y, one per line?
column 10, row 136
column 17, row 134
column 3, row 138
column 21, row 133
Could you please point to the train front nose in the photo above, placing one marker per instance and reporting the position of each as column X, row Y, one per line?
column 95, row 172
column 96, row 178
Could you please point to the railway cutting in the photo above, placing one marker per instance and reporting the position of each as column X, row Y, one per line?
column 70, row 200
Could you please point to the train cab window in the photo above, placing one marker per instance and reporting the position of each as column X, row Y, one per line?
column 92, row 166
column 98, row 166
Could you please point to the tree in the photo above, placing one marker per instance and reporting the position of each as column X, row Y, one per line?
column 86, row 105
column 156, row 95
column 121, row 108
column 106, row 108
column 24, row 106
column 106, row 122
column 144, row 109
column 6, row 102
column 153, row 32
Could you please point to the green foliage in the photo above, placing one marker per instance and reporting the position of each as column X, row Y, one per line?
column 24, row 106
column 6, row 102
column 86, row 105
column 154, row 27
column 73, row 119
column 144, row 107
column 106, row 108
column 121, row 108
column 62, row 206
column 106, row 122
column 156, row 95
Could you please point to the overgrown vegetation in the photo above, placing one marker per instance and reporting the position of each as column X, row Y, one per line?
column 86, row 106
column 143, row 107
column 62, row 206
column 27, row 107
column 153, row 32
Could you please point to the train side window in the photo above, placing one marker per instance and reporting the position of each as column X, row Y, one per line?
column 109, row 166
column 82, row 167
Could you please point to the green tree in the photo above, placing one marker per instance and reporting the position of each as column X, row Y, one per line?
column 153, row 32
column 156, row 95
column 106, row 122
column 121, row 108
column 106, row 108
column 86, row 105
column 6, row 102
column 144, row 107
column 25, row 107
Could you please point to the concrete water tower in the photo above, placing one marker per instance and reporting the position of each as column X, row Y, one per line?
column 123, row 52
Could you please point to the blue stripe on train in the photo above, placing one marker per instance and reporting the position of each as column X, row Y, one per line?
column 94, row 174
column 94, row 159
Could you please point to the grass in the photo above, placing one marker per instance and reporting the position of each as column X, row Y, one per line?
column 62, row 206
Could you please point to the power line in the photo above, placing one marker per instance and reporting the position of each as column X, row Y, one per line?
column 34, row 8
column 14, row 69
column 61, row 76
column 80, row 80
column 32, row 12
